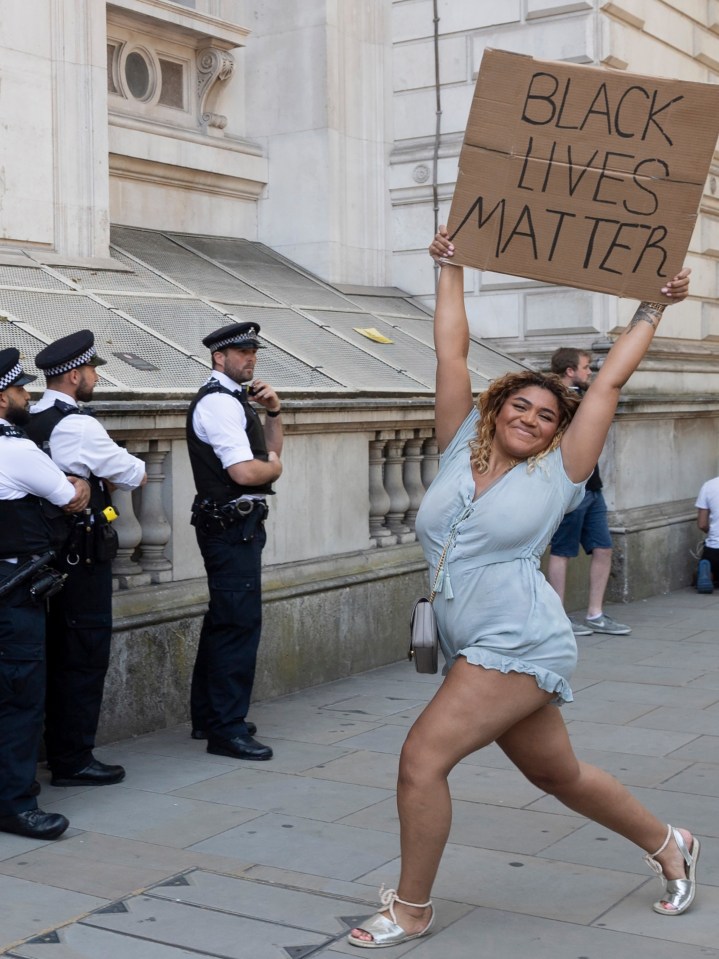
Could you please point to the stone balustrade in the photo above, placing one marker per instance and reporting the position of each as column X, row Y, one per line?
column 402, row 464
column 355, row 472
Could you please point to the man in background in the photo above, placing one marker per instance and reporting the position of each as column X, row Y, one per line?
column 707, row 505
column 587, row 524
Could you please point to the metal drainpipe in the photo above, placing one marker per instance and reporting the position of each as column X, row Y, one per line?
column 437, row 130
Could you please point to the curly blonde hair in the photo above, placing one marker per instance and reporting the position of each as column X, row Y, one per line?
column 491, row 401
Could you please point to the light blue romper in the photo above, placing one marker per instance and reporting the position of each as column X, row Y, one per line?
column 493, row 605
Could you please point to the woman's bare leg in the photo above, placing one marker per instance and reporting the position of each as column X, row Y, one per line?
column 540, row 748
column 472, row 707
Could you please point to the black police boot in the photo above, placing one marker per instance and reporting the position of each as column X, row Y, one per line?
column 35, row 823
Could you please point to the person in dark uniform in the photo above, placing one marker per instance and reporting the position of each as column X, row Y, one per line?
column 29, row 483
column 79, row 627
column 234, row 462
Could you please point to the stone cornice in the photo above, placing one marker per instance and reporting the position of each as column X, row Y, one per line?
column 184, row 178
column 194, row 26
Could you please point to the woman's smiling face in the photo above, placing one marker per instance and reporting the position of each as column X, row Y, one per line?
column 527, row 422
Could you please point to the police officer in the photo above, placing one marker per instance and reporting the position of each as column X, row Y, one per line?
column 234, row 462
column 79, row 627
column 29, row 483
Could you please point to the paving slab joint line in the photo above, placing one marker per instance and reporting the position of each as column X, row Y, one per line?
column 642, row 884
column 293, row 887
column 83, row 915
column 148, row 891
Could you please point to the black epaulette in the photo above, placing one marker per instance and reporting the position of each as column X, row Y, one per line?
column 9, row 430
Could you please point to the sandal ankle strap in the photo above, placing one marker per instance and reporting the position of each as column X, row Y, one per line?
column 388, row 897
column 650, row 858
column 672, row 833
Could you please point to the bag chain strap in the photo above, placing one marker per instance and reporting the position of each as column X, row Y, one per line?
column 439, row 570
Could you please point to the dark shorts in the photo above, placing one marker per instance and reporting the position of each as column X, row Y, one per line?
column 587, row 524
column 712, row 554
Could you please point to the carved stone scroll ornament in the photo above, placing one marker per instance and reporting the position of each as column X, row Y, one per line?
column 213, row 66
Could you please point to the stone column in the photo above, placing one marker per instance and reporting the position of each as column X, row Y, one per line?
column 430, row 460
column 125, row 570
column 378, row 496
column 156, row 530
column 413, row 477
column 394, row 484
column 80, row 164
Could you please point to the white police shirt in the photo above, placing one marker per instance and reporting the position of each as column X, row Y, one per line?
column 220, row 421
column 80, row 445
column 24, row 469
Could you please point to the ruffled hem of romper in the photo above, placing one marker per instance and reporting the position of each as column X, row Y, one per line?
column 547, row 680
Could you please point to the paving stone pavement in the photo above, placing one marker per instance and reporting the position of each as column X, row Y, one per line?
column 202, row 856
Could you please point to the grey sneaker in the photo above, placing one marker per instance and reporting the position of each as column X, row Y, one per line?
column 579, row 629
column 605, row 624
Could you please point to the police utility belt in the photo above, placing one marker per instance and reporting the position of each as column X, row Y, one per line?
column 211, row 517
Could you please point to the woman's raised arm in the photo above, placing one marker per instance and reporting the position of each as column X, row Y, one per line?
column 451, row 341
column 584, row 439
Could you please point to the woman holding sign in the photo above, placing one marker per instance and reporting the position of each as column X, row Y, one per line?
column 511, row 467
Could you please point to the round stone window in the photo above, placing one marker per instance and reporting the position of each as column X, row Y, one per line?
column 138, row 75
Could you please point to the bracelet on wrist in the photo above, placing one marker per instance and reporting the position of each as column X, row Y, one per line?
column 654, row 307
column 274, row 413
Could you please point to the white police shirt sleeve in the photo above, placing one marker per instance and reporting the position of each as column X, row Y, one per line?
column 220, row 421
column 81, row 445
column 29, row 471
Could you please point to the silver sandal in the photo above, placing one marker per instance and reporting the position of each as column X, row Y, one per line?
column 679, row 893
column 386, row 932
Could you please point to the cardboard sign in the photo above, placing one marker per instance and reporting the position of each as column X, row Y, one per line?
column 582, row 176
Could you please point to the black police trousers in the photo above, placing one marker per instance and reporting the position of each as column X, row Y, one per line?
column 79, row 631
column 22, row 694
column 227, row 652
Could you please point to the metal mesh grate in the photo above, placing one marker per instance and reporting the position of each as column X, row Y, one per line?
column 334, row 356
column 388, row 305
column 186, row 322
column 309, row 327
column 262, row 268
column 141, row 280
column 482, row 359
column 183, row 321
column 181, row 265
column 29, row 277
column 29, row 345
column 54, row 315
column 403, row 353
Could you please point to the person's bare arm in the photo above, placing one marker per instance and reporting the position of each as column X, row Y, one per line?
column 256, row 472
column 584, row 439
column 703, row 520
column 451, row 341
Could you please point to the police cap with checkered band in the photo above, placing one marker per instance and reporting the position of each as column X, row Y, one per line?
column 11, row 371
column 243, row 336
column 68, row 353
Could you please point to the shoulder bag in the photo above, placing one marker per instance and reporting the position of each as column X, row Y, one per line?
column 423, row 635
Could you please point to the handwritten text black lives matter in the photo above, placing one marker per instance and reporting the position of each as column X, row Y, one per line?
column 638, row 113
